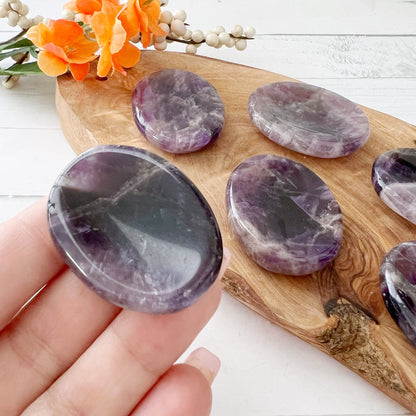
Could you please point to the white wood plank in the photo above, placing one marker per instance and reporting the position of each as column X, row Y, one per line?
column 31, row 160
column 301, row 56
column 269, row 372
column 284, row 16
column 324, row 56
column 29, row 105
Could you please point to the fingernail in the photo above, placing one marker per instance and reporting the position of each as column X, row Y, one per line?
column 206, row 362
column 226, row 257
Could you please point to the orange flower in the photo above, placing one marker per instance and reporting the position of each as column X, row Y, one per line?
column 63, row 45
column 116, row 50
column 86, row 8
column 142, row 16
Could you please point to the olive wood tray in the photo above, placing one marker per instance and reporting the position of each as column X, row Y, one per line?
column 339, row 309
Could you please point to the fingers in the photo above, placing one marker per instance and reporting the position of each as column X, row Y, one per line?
column 125, row 361
column 28, row 259
column 184, row 390
column 46, row 338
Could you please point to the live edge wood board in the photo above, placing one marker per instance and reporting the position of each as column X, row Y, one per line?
column 339, row 309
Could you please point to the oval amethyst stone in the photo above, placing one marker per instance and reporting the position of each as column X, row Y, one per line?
column 284, row 215
column 394, row 179
column 177, row 110
column 398, row 287
column 135, row 229
column 308, row 119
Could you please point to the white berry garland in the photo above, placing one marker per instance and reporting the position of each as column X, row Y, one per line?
column 177, row 30
column 173, row 24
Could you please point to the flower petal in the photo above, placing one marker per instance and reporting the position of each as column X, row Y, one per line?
column 79, row 71
column 88, row 6
column 64, row 32
column 56, row 50
column 38, row 34
column 118, row 37
column 51, row 65
column 104, row 62
column 128, row 56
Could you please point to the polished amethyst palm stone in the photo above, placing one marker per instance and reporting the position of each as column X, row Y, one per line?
column 177, row 110
column 308, row 119
column 135, row 229
column 398, row 287
column 394, row 179
column 284, row 215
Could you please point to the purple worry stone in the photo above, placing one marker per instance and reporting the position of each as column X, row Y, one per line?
column 284, row 215
column 177, row 110
column 394, row 179
column 308, row 119
column 135, row 229
column 398, row 287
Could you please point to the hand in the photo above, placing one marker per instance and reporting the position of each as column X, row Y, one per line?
column 68, row 352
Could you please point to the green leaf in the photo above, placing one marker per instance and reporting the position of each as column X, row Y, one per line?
column 30, row 68
column 34, row 52
column 16, row 44
column 13, row 52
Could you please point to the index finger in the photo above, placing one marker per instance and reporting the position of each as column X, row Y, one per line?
column 28, row 259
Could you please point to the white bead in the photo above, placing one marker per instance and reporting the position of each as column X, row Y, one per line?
column 180, row 15
column 78, row 17
column 230, row 43
column 68, row 14
column 198, row 36
column 12, row 19
column 178, row 27
column 224, row 37
column 163, row 2
column 212, row 39
column 240, row 44
column 219, row 29
column 250, row 32
column 191, row 49
column 3, row 12
column 165, row 17
column 46, row 20
column 37, row 19
column 24, row 22
column 161, row 46
column 10, row 82
column 16, row 5
column 165, row 27
column 5, row 4
column 187, row 35
column 159, row 39
column 237, row 31
column 18, row 56
column 24, row 10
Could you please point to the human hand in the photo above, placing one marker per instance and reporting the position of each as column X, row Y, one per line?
column 71, row 353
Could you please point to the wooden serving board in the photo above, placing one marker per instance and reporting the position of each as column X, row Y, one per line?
column 339, row 309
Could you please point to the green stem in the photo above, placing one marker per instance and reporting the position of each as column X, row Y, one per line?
column 192, row 42
column 20, row 61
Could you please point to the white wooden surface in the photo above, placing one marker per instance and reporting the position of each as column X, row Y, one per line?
column 363, row 49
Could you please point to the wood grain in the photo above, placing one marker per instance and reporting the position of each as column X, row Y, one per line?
column 338, row 310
